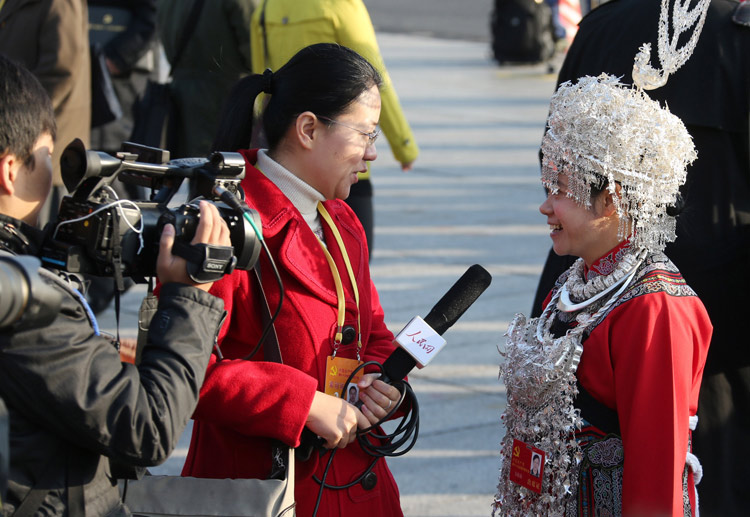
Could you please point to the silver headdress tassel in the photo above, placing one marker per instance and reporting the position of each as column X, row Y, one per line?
column 601, row 132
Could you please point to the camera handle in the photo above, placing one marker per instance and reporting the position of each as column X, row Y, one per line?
column 206, row 262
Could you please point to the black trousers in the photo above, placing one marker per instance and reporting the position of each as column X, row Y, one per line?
column 360, row 200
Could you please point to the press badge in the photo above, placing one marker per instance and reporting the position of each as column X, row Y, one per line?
column 338, row 370
column 527, row 466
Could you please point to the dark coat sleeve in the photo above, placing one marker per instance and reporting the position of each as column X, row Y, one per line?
column 69, row 380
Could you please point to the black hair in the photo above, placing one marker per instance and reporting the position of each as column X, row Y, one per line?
column 600, row 184
column 25, row 111
column 325, row 78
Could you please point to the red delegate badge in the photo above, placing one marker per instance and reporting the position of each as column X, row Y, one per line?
column 527, row 466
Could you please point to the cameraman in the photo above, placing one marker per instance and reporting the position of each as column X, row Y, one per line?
column 73, row 405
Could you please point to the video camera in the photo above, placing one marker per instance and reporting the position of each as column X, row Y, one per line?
column 26, row 301
column 99, row 234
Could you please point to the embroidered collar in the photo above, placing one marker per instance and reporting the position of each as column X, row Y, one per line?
column 606, row 264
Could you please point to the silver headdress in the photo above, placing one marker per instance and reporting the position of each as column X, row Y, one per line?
column 600, row 128
column 600, row 131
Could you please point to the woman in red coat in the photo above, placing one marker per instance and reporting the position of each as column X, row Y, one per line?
column 320, row 123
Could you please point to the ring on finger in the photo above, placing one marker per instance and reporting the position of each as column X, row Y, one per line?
column 389, row 404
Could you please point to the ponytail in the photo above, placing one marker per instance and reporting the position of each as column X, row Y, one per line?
column 236, row 120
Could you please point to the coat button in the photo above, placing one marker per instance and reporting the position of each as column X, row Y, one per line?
column 369, row 481
column 348, row 333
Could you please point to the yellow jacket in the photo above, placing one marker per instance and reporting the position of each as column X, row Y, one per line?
column 291, row 25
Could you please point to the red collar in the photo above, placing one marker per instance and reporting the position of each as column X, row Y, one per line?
column 608, row 262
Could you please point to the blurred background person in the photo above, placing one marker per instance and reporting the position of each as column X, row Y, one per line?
column 216, row 55
column 280, row 28
column 711, row 94
column 558, row 29
column 50, row 38
column 124, row 31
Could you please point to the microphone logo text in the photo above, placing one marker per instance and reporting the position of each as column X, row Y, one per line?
column 421, row 342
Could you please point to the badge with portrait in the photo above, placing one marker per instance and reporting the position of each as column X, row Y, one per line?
column 338, row 370
column 527, row 466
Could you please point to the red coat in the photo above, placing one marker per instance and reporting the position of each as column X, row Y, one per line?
column 244, row 403
column 645, row 361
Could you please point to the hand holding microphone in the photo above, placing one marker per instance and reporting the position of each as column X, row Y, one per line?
column 418, row 343
column 377, row 398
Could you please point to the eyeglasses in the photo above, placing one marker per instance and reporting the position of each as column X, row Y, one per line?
column 371, row 137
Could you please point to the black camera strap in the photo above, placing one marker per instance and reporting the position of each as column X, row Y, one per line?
column 117, row 273
column 149, row 306
column 206, row 262
column 271, row 353
column 117, row 253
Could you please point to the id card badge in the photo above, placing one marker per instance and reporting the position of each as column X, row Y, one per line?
column 338, row 369
column 527, row 466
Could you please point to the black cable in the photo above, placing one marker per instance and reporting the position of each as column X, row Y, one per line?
column 236, row 204
column 387, row 444
column 269, row 325
column 407, row 428
column 320, row 492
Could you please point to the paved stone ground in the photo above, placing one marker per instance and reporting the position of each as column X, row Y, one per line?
column 473, row 197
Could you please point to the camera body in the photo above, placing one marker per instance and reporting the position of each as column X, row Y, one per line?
column 95, row 233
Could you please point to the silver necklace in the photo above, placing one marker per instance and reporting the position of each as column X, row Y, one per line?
column 619, row 277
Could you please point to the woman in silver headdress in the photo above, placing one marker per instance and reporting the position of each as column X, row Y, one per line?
column 605, row 383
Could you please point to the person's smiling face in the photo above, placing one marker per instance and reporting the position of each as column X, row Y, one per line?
column 344, row 151
column 578, row 230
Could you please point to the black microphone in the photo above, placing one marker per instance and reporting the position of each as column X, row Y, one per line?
column 414, row 340
column 419, row 341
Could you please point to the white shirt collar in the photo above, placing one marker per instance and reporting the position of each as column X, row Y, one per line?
column 303, row 196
